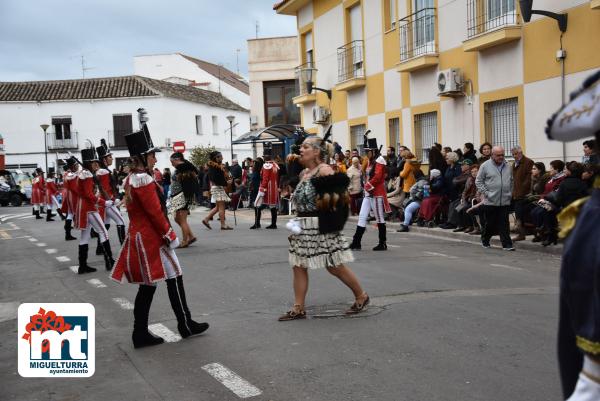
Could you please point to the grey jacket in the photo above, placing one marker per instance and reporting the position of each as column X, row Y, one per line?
column 495, row 186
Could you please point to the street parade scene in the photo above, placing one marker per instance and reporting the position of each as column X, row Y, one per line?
column 387, row 200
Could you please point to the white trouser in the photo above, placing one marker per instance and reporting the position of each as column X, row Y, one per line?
column 36, row 207
column 113, row 214
column 374, row 204
column 70, row 216
column 170, row 262
column 53, row 205
column 93, row 221
column 587, row 389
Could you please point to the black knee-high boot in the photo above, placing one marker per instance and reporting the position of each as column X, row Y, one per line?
column 121, row 234
column 68, row 227
column 99, row 250
column 186, row 326
column 49, row 215
column 60, row 213
column 382, row 246
column 257, row 213
column 37, row 214
column 83, row 255
column 141, row 337
column 357, row 237
column 273, row 219
column 108, row 259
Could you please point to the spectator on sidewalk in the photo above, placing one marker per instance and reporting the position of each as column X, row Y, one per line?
column 417, row 193
column 391, row 158
column 589, row 153
column 495, row 182
column 166, row 181
column 356, row 186
column 396, row 192
column 522, row 185
column 486, row 150
column 235, row 170
column 469, row 152
column 455, row 219
column 437, row 160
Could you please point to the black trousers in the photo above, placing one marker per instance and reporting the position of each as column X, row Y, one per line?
column 496, row 222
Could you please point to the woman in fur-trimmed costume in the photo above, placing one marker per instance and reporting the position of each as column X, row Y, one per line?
column 218, row 182
column 322, row 200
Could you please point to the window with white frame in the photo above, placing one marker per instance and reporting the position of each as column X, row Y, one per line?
column 199, row 125
column 215, row 125
column 394, row 132
column 357, row 133
column 426, row 134
column 502, row 123
column 390, row 14
column 308, row 47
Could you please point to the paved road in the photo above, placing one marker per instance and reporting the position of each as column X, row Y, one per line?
column 449, row 321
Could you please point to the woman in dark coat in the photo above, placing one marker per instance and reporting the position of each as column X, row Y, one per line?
column 437, row 160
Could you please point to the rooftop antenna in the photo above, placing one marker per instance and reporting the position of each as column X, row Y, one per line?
column 83, row 67
column 237, row 60
column 257, row 26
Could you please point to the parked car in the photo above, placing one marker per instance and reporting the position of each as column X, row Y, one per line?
column 23, row 180
column 10, row 192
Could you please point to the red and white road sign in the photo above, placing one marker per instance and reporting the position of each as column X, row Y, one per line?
column 179, row 146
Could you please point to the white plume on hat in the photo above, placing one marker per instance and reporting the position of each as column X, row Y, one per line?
column 435, row 173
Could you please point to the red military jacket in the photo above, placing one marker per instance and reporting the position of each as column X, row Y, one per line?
column 70, row 196
column 87, row 201
column 37, row 190
column 269, row 184
column 104, row 177
column 375, row 185
column 51, row 190
column 140, row 260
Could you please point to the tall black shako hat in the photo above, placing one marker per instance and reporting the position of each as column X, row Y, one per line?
column 369, row 143
column 580, row 118
column 300, row 137
column 103, row 149
column 89, row 155
column 140, row 143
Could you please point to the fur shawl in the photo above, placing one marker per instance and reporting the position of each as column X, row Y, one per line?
column 333, row 201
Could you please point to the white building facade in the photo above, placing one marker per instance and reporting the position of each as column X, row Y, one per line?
column 179, row 68
column 92, row 109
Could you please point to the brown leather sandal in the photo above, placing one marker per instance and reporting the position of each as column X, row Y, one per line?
column 358, row 307
column 297, row 312
column 206, row 224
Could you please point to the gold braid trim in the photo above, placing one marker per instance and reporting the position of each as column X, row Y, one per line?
column 590, row 347
column 567, row 218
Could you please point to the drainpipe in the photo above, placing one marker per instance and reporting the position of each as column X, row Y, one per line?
column 561, row 55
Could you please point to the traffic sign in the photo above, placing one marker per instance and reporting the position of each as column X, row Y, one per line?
column 179, row 146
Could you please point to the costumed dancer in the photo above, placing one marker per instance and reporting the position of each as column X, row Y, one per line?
column 218, row 195
column 322, row 205
column 108, row 190
column 51, row 201
column 38, row 196
column 70, row 195
column 579, row 312
column 268, row 192
column 151, row 260
column 184, row 187
column 88, row 215
column 375, row 196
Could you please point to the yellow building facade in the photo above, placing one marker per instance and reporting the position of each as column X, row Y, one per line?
column 415, row 72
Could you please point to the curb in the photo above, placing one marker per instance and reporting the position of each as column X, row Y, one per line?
column 526, row 245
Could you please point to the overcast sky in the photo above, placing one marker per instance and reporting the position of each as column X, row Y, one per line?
column 44, row 39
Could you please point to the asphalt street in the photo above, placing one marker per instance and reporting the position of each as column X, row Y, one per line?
column 448, row 321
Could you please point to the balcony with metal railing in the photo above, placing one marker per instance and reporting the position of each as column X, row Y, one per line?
column 491, row 23
column 418, row 40
column 304, row 73
column 64, row 141
column 351, row 66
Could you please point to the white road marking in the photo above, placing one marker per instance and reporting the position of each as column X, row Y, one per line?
column 394, row 246
column 15, row 227
column 505, row 266
column 26, row 217
column 123, row 303
column 231, row 380
column 74, row 269
column 50, row 251
column 8, row 311
column 63, row 258
column 96, row 283
column 159, row 329
column 33, row 239
column 439, row 254
column 41, row 244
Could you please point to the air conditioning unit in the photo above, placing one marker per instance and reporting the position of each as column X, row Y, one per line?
column 167, row 142
column 450, row 82
column 320, row 115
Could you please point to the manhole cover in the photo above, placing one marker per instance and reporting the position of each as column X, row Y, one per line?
column 329, row 311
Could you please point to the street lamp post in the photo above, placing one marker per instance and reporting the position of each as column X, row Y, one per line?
column 230, row 119
column 45, row 127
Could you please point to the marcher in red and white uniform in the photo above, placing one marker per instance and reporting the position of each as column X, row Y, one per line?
column 87, row 216
column 51, row 200
column 268, row 192
column 108, row 191
column 38, row 196
column 375, row 197
column 70, row 195
column 147, row 256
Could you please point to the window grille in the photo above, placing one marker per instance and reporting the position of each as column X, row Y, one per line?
column 350, row 61
column 426, row 133
column 357, row 133
column 394, row 131
column 487, row 15
column 502, row 123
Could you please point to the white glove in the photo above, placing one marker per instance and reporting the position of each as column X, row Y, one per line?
column 108, row 203
column 261, row 193
column 294, row 226
column 117, row 202
column 174, row 244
